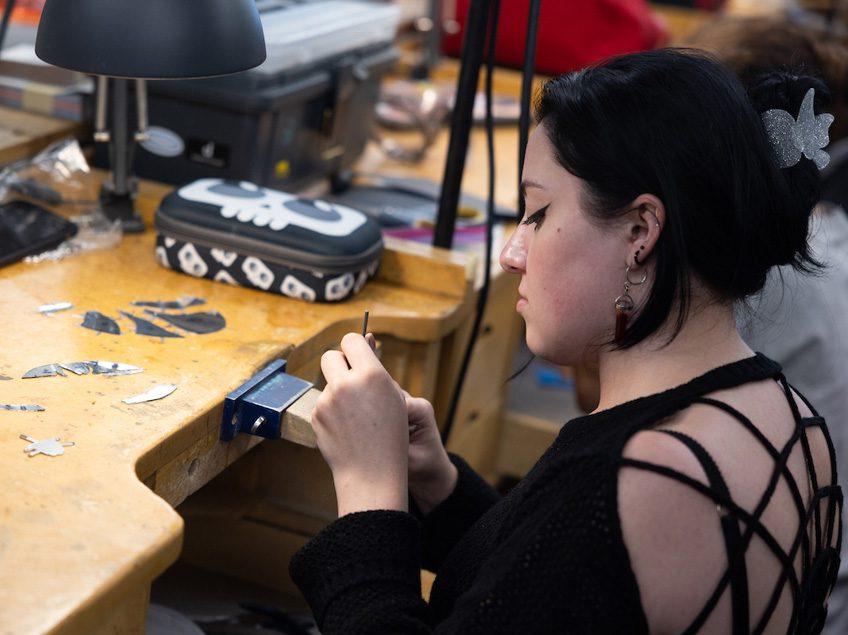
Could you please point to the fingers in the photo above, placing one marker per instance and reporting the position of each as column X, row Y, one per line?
column 334, row 366
column 359, row 353
column 372, row 341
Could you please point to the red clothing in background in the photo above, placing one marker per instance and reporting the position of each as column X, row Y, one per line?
column 572, row 33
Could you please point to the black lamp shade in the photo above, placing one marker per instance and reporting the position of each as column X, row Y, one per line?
column 151, row 39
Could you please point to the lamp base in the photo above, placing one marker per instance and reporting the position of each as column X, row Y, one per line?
column 120, row 207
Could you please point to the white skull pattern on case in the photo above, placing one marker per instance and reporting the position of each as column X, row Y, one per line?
column 260, row 206
column 257, row 272
column 339, row 287
column 360, row 281
column 162, row 256
column 226, row 258
column 191, row 262
column 223, row 276
column 294, row 288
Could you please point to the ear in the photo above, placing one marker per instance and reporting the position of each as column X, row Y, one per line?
column 644, row 221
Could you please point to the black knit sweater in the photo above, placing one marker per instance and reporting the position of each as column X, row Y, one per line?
column 547, row 558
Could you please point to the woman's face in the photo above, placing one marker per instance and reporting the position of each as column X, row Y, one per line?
column 571, row 269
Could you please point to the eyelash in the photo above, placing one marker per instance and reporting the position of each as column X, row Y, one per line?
column 536, row 218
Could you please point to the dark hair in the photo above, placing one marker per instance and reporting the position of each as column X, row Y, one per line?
column 676, row 124
column 754, row 45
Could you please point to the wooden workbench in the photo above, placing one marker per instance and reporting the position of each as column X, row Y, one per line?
column 82, row 535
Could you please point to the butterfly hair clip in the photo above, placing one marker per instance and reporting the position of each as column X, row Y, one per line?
column 806, row 136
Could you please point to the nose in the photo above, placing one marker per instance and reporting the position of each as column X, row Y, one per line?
column 513, row 257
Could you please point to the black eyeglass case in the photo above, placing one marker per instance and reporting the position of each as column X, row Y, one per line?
column 244, row 234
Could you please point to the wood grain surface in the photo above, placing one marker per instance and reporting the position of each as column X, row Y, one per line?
column 81, row 532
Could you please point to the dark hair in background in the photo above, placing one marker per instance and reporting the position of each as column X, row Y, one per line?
column 753, row 45
column 676, row 124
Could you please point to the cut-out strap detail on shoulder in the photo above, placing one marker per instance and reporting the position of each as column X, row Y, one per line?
column 818, row 567
column 736, row 567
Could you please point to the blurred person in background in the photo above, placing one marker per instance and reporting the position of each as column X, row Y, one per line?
column 802, row 321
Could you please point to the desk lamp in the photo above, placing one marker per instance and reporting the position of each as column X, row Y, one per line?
column 140, row 40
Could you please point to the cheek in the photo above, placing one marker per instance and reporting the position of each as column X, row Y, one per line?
column 569, row 283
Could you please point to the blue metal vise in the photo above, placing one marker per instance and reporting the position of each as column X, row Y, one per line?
column 257, row 406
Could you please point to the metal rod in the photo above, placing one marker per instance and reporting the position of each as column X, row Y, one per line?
column 141, row 108
column 120, row 158
column 101, row 133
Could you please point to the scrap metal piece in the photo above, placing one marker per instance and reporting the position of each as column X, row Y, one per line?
column 112, row 369
column 201, row 322
column 48, row 370
column 146, row 327
column 77, row 368
column 24, row 407
column 50, row 447
column 5, row 378
column 157, row 392
column 47, row 309
column 96, row 321
column 183, row 303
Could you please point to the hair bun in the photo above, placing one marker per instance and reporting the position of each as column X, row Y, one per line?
column 785, row 90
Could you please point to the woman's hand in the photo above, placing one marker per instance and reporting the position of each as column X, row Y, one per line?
column 432, row 477
column 360, row 422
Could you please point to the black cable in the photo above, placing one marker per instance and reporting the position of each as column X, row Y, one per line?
column 526, row 89
column 461, row 120
column 4, row 25
column 494, row 14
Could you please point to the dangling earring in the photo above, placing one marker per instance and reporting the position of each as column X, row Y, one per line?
column 624, row 303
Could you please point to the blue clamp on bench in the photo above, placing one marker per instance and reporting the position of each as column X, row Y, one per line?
column 257, row 406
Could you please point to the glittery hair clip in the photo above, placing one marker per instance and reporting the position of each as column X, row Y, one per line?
column 808, row 135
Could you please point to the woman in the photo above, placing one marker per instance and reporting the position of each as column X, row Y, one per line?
column 700, row 495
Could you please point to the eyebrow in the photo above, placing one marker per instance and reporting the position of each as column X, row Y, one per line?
column 527, row 183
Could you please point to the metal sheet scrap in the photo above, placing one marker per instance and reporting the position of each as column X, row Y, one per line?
column 48, row 370
column 96, row 321
column 201, row 322
column 48, row 309
column 23, row 407
column 146, row 327
column 157, row 392
column 182, row 303
column 50, row 447
column 110, row 369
